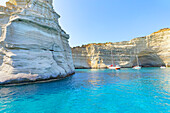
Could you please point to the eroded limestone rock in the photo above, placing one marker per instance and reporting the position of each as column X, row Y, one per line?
column 152, row 50
column 32, row 44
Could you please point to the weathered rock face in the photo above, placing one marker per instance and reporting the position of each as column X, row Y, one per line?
column 152, row 50
column 32, row 44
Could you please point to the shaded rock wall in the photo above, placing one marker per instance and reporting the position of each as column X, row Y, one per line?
column 152, row 50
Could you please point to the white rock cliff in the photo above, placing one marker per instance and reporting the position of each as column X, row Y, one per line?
column 152, row 50
column 32, row 44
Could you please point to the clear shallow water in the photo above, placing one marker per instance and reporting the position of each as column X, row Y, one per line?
column 93, row 91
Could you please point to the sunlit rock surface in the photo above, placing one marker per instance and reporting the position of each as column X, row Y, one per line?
column 152, row 50
column 32, row 44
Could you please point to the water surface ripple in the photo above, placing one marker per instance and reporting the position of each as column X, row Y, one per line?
column 93, row 91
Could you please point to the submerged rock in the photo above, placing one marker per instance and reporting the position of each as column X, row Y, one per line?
column 32, row 44
column 152, row 50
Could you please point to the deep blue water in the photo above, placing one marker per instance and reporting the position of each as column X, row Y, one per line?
column 93, row 91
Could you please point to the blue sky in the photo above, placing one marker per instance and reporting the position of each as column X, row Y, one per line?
column 99, row 21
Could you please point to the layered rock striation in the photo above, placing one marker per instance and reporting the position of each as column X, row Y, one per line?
column 152, row 50
column 32, row 44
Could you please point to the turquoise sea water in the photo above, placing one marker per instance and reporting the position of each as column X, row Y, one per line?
column 93, row 91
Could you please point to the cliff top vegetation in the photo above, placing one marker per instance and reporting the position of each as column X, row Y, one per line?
column 104, row 44
column 161, row 30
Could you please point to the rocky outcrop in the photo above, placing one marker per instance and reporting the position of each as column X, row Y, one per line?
column 32, row 44
column 152, row 50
